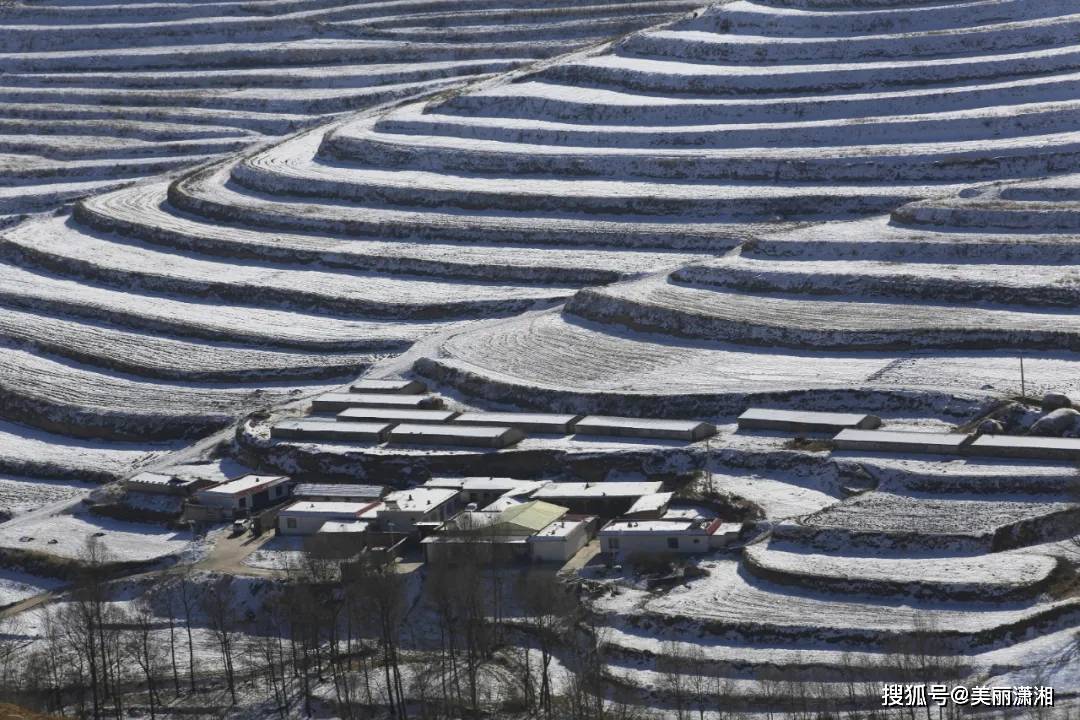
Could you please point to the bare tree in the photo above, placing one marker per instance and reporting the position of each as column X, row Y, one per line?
column 221, row 616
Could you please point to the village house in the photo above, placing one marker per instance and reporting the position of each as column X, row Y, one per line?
column 307, row 518
column 240, row 497
column 605, row 499
column 418, row 510
column 624, row 538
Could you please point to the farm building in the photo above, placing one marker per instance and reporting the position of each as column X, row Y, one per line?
column 338, row 492
column 606, row 499
column 650, row 428
column 650, row 507
column 406, row 511
column 624, row 538
column 239, row 497
column 798, row 421
column 307, row 518
column 163, row 484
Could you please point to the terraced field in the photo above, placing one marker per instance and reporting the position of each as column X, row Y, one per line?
column 162, row 311
column 786, row 202
column 95, row 94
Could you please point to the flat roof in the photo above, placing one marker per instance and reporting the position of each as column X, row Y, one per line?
column 481, row 483
column 1027, row 441
column 397, row 385
column 485, row 436
column 599, row 490
column 559, row 529
column 336, row 526
column 296, row 429
column 153, row 478
column 307, row 507
column 396, row 415
column 420, row 498
column 653, row 502
column 247, row 483
column 339, row 490
column 646, row 423
column 536, row 422
column 902, row 438
column 799, row 417
column 633, row 527
column 391, row 400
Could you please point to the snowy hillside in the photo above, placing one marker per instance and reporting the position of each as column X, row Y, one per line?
column 94, row 95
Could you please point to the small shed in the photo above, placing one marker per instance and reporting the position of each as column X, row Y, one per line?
column 687, row 430
column 529, row 422
column 336, row 402
column 313, row 429
column 464, row 436
column 797, row 421
column 400, row 385
column 166, row 484
column 904, row 442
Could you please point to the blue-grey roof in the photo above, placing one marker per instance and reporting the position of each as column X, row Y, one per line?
column 339, row 490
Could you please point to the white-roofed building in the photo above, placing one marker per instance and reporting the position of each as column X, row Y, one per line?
column 243, row 495
column 605, row 499
column 486, row 490
column 404, row 510
column 306, row 517
column 625, row 538
column 562, row 539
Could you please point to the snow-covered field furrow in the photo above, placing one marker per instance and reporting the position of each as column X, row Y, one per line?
column 731, row 605
column 762, row 18
column 20, row 495
column 154, row 356
column 1000, row 576
column 204, row 319
column 29, row 452
column 934, row 522
column 60, row 245
column 143, row 212
column 734, row 47
column 900, row 133
column 292, row 168
column 908, row 163
column 847, row 323
column 923, row 282
column 211, row 194
column 261, row 68
column 71, row 399
column 535, row 99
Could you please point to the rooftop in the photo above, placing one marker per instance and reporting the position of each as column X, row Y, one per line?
column 352, row 526
column 306, row 507
column 654, row 502
column 247, row 483
column 598, row 490
column 533, row 516
column 418, row 499
column 633, row 527
column 560, row 528
column 338, row 490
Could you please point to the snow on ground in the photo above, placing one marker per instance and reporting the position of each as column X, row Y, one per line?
column 17, row 586
column 20, row 495
column 280, row 553
column 66, row 535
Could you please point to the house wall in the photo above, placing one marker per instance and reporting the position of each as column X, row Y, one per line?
column 653, row 543
column 562, row 549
